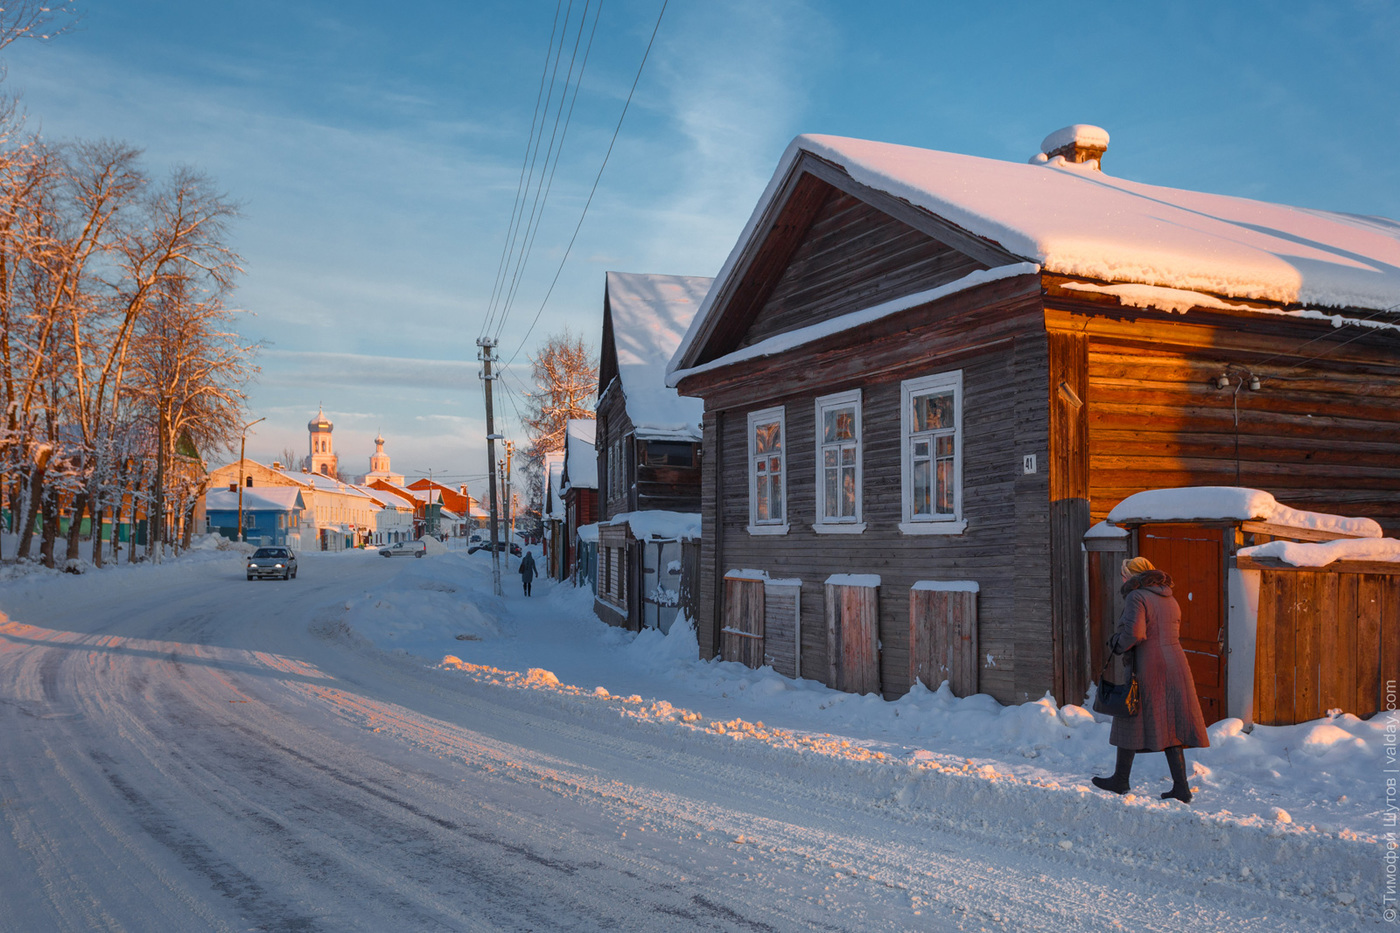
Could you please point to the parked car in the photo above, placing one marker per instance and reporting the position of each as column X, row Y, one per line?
column 404, row 549
column 273, row 562
column 486, row 546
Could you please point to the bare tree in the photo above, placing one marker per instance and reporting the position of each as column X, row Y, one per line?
column 565, row 374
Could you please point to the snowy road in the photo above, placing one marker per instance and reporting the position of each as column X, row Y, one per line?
column 184, row 750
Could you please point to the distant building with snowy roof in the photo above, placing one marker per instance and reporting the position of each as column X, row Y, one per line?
column 578, row 485
column 648, row 441
column 928, row 369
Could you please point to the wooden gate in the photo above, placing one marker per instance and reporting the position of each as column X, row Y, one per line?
column 1194, row 556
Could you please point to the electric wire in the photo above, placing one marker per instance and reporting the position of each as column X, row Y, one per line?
column 520, row 186
column 594, row 191
column 536, row 218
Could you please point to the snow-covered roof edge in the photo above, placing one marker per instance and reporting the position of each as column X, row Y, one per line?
column 1234, row 503
column 788, row 340
column 650, row 315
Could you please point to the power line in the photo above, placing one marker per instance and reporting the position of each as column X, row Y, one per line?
column 536, row 220
column 591, row 193
column 520, row 186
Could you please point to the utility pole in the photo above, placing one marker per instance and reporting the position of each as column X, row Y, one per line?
column 242, row 446
column 505, row 501
column 488, row 346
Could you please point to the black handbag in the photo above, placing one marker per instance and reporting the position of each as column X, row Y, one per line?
column 1113, row 699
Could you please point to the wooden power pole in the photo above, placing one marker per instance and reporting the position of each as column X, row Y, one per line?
column 487, row 357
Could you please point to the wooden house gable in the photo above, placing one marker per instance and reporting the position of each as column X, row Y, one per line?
column 827, row 246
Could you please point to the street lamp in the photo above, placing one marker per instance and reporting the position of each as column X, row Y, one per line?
column 242, row 446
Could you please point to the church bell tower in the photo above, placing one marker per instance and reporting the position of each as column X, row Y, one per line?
column 322, row 458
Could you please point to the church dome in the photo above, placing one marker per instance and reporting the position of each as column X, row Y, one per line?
column 320, row 422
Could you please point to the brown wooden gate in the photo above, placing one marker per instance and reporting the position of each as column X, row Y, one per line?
column 1194, row 556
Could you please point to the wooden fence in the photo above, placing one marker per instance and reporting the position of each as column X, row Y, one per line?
column 943, row 633
column 1326, row 638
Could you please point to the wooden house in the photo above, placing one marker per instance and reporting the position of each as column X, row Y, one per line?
column 552, row 514
column 578, row 487
column 648, row 440
column 925, row 376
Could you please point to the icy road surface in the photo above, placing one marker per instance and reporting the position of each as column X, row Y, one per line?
column 185, row 750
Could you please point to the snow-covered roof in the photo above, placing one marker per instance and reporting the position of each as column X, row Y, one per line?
column 660, row 524
column 650, row 315
column 322, row 483
column 1232, row 503
column 1073, row 219
column 255, row 499
column 553, row 474
column 581, row 457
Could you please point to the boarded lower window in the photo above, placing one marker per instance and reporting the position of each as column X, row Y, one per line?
column 610, row 579
column 741, row 637
column 943, row 635
column 853, row 633
column 782, row 626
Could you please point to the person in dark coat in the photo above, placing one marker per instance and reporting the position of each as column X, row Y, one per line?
column 1169, row 715
column 527, row 570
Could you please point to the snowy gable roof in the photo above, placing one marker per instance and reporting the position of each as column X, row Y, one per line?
column 1072, row 219
column 1075, row 220
column 553, row 475
column 649, row 316
column 580, row 456
column 255, row 499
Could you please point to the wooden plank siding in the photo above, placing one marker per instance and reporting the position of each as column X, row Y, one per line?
column 1324, row 639
column 1006, row 546
column 742, row 635
column 852, row 626
column 853, row 257
column 943, row 630
column 708, row 586
column 1322, row 433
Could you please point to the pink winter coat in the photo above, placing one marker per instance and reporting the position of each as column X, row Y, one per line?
column 1150, row 626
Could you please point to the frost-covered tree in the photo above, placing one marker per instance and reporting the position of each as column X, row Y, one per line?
column 565, row 373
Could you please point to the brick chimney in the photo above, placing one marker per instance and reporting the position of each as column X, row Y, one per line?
column 1079, row 143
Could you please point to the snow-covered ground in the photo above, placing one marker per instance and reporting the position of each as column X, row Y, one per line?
column 753, row 801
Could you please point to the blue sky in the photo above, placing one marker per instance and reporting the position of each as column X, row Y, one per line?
column 376, row 152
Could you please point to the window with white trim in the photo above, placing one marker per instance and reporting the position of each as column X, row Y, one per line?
column 838, row 432
column 931, row 454
column 767, row 472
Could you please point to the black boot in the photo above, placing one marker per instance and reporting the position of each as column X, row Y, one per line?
column 1176, row 761
column 1117, row 784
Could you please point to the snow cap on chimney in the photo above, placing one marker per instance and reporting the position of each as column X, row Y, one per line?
column 1079, row 143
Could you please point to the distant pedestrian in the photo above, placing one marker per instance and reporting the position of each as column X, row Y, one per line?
column 527, row 570
column 1169, row 718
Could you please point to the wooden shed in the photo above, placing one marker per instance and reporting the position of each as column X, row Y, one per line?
column 930, row 368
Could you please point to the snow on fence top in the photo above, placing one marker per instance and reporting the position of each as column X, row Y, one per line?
column 650, row 315
column 853, row 579
column 1324, row 553
column 1234, row 503
column 947, row 586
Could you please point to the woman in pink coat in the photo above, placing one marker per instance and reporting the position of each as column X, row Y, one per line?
column 1169, row 717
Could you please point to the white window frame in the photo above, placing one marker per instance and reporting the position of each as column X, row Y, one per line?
column 930, row 524
column 846, row 524
column 772, row 526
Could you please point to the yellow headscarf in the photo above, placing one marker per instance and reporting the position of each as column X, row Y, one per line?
column 1137, row 565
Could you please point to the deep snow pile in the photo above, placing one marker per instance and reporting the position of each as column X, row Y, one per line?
column 1321, row 779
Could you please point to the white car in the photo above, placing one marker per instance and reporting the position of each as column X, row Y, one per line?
column 404, row 549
